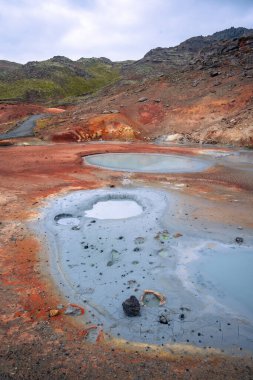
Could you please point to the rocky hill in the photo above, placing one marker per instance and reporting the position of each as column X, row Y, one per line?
column 196, row 52
column 198, row 91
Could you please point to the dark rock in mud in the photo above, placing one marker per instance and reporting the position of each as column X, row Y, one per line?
column 131, row 307
column 239, row 240
column 61, row 216
column 163, row 319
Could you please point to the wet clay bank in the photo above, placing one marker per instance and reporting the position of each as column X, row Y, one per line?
column 202, row 268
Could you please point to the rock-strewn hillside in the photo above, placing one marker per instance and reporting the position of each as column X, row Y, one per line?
column 199, row 91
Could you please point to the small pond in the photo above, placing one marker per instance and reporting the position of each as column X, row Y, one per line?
column 114, row 209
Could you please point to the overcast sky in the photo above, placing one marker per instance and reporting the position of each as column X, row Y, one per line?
column 117, row 29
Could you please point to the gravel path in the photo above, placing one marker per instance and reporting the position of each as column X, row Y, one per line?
column 25, row 129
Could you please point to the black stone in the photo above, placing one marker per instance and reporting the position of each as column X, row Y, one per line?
column 239, row 240
column 131, row 307
column 214, row 74
column 163, row 319
column 61, row 216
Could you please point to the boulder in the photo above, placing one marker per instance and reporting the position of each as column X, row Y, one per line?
column 143, row 99
column 131, row 307
column 214, row 73
column 174, row 137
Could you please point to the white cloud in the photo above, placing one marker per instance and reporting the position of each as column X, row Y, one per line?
column 118, row 29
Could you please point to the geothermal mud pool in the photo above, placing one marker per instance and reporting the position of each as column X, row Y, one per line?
column 203, row 273
column 150, row 163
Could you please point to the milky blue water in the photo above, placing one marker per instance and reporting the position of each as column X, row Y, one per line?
column 227, row 272
column 148, row 162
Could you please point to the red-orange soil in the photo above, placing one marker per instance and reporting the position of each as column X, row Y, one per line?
column 214, row 111
column 35, row 346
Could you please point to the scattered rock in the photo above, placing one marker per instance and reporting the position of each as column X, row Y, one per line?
column 182, row 316
column 163, row 253
column 88, row 290
column 139, row 240
column 164, row 235
column 214, row 73
column 157, row 100
column 185, row 308
column 195, row 83
column 163, row 319
column 73, row 311
column 160, row 296
column 76, row 228
column 105, row 112
column 177, row 235
column 61, row 216
column 53, row 313
column 115, row 255
column 174, row 137
column 143, row 99
column 131, row 307
column 239, row 240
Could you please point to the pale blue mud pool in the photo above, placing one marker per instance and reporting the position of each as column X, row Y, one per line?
column 227, row 272
column 148, row 162
column 99, row 261
column 114, row 209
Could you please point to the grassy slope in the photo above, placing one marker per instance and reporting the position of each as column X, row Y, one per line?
column 58, row 83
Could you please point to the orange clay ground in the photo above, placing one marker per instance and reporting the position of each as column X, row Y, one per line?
column 36, row 346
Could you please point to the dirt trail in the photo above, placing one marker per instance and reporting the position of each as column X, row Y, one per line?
column 25, row 129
